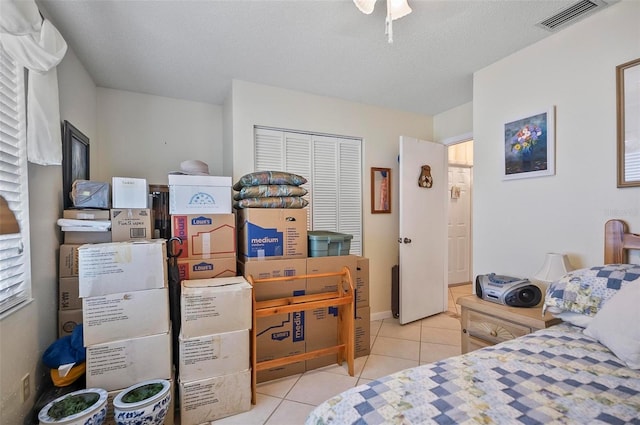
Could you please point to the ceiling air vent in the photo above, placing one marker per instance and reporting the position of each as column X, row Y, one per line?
column 571, row 14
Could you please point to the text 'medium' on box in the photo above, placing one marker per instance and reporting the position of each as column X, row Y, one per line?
column 272, row 232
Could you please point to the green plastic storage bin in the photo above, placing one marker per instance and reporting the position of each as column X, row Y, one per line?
column 323, row 243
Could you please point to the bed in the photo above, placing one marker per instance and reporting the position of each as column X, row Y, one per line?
column 585, row 370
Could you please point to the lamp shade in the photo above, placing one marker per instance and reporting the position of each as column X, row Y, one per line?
column 8, row 222
column 365, row 6
column 555, row 266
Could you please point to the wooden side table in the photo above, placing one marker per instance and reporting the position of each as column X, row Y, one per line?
column 485, row 323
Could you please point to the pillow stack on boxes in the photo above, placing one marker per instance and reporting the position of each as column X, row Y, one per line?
column 215, row 305
column 273, row 242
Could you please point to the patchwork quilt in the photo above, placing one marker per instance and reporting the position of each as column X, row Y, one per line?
column 553, row 376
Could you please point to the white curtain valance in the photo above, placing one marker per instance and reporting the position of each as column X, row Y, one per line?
column 38, row 46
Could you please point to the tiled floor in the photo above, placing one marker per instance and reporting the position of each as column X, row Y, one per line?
column 393, row 347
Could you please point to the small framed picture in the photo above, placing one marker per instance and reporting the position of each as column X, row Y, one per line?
column 75, row 160
column 529, row 146
column 455, row 192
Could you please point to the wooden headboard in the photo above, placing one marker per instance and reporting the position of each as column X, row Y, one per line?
column 617, row 242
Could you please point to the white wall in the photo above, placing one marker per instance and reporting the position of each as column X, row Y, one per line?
column 379, row 128
column 27, row 333
column 453, row 123
column 516, row 222
column 148, row 136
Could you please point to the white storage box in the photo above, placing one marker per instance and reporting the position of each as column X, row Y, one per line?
column 125, row 315
column 120, row 364
column 213, row 355
column 116, row 267
column 214, row 398
column 129, row 193
column 210, row 306
column 199, row 194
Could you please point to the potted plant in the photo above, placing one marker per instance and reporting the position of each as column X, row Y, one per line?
column 82, row 407
column 146, row 402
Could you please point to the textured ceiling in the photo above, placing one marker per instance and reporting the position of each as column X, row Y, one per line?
column 193, row 49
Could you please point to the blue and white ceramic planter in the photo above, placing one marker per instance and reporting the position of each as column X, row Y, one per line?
column 150, row 411
column 93, row 415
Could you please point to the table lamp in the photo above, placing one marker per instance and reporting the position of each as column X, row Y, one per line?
column 555, row 266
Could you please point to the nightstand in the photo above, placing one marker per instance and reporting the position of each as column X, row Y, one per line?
column 485, row 323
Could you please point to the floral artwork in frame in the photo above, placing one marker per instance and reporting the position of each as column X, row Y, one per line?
column 529, row 146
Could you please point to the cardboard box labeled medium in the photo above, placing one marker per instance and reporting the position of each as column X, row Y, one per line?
column 199, row 194
column 213, row 355
column 205, row 235
column 206, row 268
column 209, row 399
column 122, row 267
column 68, row 294
column 125, row 315
column 280, row 336
column 130, row 224
column 209, row 306
column 272, row 232
column 361, row 282
column 120, row 364
column 129, row 192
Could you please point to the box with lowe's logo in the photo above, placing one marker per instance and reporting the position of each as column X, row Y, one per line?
column 206, row 268
column 204, row 235
column 280, row 336
column 271, row 232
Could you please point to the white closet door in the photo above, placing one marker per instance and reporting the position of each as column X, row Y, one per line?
column 325, row 183
column 298, row 161
column 269, row 147
column 350, row 197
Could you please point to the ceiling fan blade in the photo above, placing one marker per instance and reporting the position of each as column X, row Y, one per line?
column 365, row 6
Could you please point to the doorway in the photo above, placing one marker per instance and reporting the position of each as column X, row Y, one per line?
column 460, row 171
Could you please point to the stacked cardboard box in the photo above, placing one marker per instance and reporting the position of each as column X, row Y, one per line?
column 273, row 243
column 69, row 302
column 125, row 311
column 214, row 362
column 213, row 358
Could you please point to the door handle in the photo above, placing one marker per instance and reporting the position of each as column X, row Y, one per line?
column 407, row 240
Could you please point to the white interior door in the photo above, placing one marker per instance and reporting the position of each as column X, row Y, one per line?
column 459, row 228
column 423, row 230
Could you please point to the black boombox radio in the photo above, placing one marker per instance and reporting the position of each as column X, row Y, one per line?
column 511, row 291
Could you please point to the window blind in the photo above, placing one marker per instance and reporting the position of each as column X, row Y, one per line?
column 15, row 275
column 333, row 167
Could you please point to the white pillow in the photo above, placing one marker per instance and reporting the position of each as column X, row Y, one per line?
column 575, row 319
column 616, row 325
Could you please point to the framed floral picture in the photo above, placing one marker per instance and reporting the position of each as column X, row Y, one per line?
column 529, row 146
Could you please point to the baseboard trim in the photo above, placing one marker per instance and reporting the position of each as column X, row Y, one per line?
column 381, row 315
